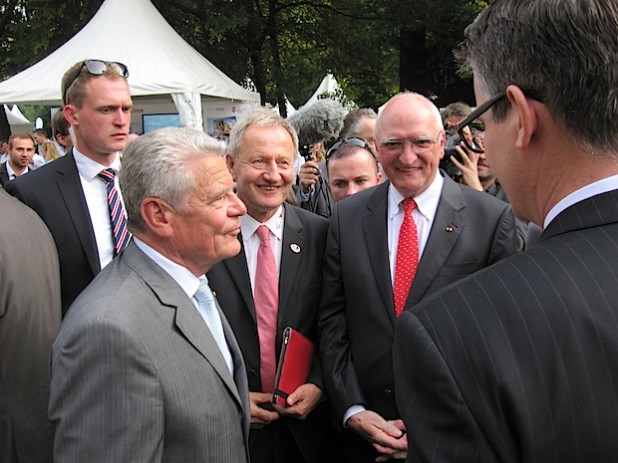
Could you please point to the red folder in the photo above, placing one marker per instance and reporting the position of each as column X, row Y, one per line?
column 294, row 364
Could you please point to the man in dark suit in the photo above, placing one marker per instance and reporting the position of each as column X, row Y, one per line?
column 29, row 323
column 145, row 367
column 68, row 193
column 21, row 150
column 452, row 231
column 518, row 362
column 261, row 158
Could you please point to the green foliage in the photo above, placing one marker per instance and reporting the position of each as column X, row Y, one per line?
column 285, row 47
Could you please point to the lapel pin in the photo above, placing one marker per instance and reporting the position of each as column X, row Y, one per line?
column 449, row 228
column 295, row 248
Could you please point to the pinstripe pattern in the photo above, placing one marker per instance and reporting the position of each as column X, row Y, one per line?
column 519, row 362
column 137, row 376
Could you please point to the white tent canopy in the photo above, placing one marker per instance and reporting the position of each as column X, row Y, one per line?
column 328, row 85
column 160, row 62
column 17, row 120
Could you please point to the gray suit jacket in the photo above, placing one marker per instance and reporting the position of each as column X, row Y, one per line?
column 471, row 230
column 518, row 362
column 137, row 376
column 29, row 322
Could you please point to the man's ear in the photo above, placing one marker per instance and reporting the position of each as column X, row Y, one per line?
column 526, row 113
column 158, row 216
column 230, row 165
column 70, row 114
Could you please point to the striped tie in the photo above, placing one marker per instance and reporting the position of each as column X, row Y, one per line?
column 116, row 211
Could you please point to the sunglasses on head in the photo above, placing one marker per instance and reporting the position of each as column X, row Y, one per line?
column 95, row 67
column 352, row 141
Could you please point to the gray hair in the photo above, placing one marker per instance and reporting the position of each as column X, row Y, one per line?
column 351, row 123
column 563, row 53
column 261, row 117
column 156, row 165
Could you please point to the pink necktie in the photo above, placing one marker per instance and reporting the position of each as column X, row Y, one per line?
column 266, row 301
column 407, row 257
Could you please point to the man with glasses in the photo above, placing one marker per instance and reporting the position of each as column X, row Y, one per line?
column 352, row 167
column 517, row 362
column 390, row 247
column 77, row 195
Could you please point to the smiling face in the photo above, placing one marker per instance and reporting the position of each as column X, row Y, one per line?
column 101, row 124
column 409, row 117
column 263, row 169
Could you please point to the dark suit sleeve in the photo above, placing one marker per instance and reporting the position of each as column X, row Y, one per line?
column 439, row 423
column 505, row 240
column 342, row 384
column 14, row 189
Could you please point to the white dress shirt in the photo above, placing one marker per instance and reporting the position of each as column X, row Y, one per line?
column 95, row 192
column 188, row 282
column 251, row 240
column 11, row 172
column 424, row 214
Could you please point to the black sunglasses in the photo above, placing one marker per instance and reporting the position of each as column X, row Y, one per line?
column 352, row 141
column 471, row 119
column 95, row 67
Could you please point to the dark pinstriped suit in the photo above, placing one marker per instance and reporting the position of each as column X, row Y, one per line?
column 470, row 231
column 519, row 362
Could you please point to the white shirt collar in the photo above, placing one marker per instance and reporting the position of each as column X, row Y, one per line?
column 592, row 189
column 248, row 225
column 181, row 275
column 88, row 168
column 426, row 202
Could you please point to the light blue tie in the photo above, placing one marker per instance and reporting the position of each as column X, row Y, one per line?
column 208, row 311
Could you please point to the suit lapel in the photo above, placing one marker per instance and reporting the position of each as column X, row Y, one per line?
column 292, row 250
column 237, row 267
column 375, row 230
column 187, row 319
column 445, row 231
column 70, row 187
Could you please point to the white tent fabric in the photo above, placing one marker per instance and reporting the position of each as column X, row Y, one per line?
column 17, row 120
column 328, row 85
column 132, row 32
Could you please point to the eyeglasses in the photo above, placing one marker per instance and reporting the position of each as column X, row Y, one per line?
column 420, row 145
column 352, row 141
column 95, row 67
column 476, row 126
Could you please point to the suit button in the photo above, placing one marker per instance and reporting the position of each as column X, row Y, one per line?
column 251, row 371
column 388, row 392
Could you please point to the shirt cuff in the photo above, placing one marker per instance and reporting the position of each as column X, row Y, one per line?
column 350, row 412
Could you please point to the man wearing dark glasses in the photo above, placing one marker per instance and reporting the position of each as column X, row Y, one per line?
column 518, row 362
column 76, row 195
column 390, row 247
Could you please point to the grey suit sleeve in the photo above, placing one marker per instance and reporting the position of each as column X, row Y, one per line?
column 439, row 423
column 105, row 400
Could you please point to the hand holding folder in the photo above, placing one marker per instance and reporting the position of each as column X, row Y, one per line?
column 294, row 364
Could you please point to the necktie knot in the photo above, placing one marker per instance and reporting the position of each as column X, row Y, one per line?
column 264, row 234
column 107, row 175
column 408, row 205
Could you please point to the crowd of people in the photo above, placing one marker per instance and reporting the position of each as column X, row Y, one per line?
column 146, row 286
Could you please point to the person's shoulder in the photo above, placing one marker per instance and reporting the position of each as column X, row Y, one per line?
column 307, row 217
